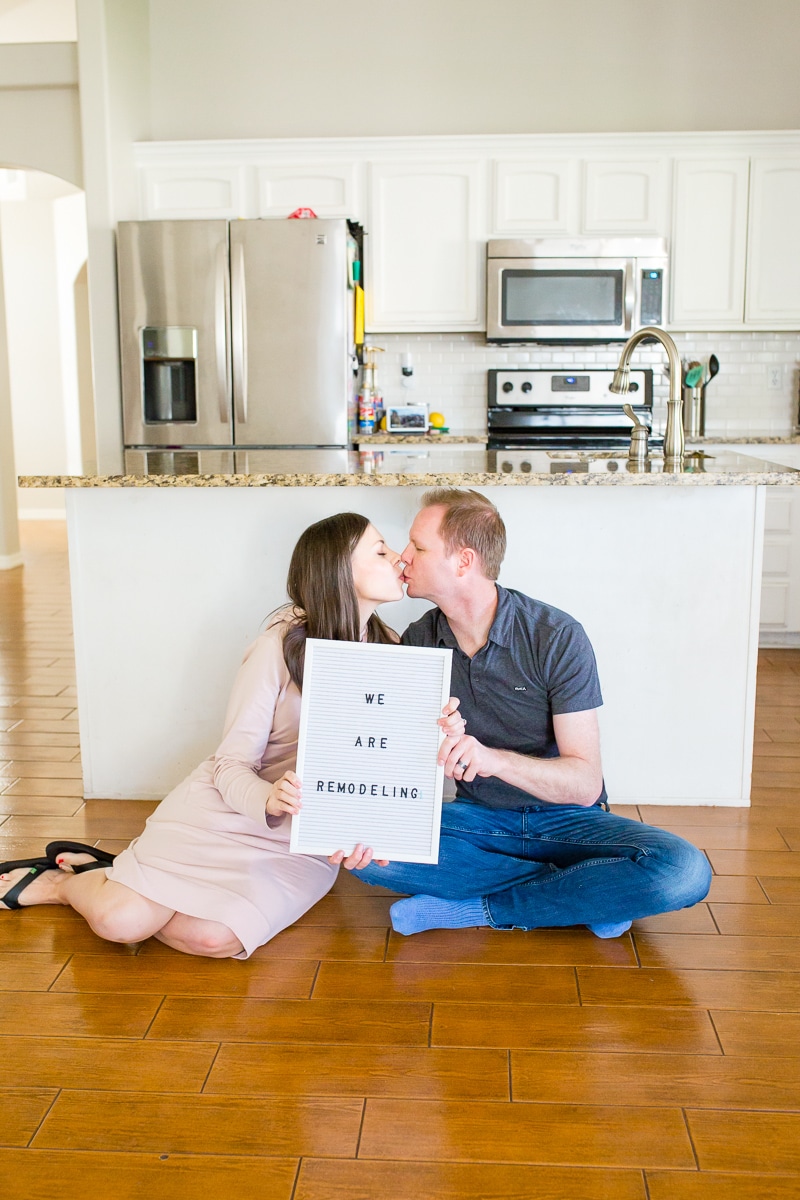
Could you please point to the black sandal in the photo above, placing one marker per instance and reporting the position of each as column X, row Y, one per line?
column 37, row 867
column 103, row 858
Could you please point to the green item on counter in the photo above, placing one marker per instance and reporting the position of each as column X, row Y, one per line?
column 694, row 376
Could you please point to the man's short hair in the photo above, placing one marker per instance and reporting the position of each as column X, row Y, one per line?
column 473, row 521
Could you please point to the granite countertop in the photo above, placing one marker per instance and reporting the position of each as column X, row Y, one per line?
column 422, row 439
column 757, row 440
column 480, row 439
column 417, row 468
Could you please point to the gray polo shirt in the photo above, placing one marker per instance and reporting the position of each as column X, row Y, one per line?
column 537, row 662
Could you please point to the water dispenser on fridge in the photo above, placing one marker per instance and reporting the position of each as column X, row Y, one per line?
column 169, row 375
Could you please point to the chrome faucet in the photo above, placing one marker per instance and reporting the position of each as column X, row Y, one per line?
column 673, row 438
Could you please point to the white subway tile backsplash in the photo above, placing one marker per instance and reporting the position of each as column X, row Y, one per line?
column 450, row 375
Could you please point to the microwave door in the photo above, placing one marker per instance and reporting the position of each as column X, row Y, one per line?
column 289, row 308
column 173, row 304
column 560, row 299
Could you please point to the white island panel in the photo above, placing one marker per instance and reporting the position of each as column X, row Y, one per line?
column 171, row 584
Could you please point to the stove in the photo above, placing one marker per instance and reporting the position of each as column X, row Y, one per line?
column 544, row 409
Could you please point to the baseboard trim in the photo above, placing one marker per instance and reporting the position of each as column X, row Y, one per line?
column 779, row 641
column 9, row 561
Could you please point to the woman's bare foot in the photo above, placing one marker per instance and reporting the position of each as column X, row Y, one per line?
column 67, row 861
column 44, row 889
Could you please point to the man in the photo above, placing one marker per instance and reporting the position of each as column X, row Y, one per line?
column 529, row 841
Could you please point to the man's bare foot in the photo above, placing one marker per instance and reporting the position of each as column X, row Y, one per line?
column 44, row 889
column 67, row 861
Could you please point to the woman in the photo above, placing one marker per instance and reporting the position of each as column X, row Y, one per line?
column 211, row 874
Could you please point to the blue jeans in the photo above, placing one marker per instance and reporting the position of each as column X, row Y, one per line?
column 555, row 865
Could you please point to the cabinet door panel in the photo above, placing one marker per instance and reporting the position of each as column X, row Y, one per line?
column 425, row 258
column 776, row 558
column 625, row 197
column 709, row 242
column 774, row 604
column 330, row 189
column 773, row 273
column 204, row 191
column 534, row 196
column 778, row 511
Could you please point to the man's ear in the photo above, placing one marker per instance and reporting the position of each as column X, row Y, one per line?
column 466, row 560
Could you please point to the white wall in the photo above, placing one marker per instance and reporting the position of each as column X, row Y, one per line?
column 39, row 111
column 9, row 527
column 44, row 248
column 114, row 87
column 265, row 68
column 38, row 21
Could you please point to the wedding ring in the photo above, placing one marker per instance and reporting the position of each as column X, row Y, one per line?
column 463, row 766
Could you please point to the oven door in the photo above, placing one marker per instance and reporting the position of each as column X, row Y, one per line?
column 560, row 299
column 567, row 428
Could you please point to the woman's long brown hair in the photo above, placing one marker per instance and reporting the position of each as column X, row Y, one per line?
column 321, row 589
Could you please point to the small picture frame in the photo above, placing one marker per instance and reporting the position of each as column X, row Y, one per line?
column 407, row 418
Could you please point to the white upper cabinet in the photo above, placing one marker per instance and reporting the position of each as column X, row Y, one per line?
column 208, row 190
column 773, row 256
column 426, row 250
column 330, row 189
column 728, row 203
column 709, row 242
column 532, row 196
column 625, row 196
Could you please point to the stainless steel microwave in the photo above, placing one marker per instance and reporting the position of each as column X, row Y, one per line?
column 565, row 290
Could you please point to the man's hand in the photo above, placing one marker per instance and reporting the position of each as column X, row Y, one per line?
column 360, row 857
column 573, row 776
column 465, row 757
column 453, row 726
column 451, row 721
column 284, row 796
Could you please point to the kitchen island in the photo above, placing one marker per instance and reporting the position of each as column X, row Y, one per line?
column 174, row 574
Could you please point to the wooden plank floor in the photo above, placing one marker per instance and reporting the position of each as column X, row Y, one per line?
column 345, row 1063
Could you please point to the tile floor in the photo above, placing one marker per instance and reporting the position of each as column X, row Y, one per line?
column 343, row 1062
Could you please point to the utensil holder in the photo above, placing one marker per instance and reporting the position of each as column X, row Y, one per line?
column 694, row 411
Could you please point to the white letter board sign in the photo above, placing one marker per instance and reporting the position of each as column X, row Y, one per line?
column 367, row 749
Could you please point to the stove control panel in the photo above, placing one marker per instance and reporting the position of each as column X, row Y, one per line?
column 518, row 387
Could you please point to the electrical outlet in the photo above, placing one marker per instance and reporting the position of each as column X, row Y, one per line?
column 774, row 378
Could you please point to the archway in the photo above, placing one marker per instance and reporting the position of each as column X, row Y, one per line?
column 46, row 384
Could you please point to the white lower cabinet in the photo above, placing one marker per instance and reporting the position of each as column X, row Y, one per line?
column 780, row 578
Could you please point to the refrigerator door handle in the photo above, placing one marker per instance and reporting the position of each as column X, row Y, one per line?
column 239, row 335
column 221, row 327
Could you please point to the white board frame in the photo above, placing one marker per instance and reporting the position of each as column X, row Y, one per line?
column 347, row 655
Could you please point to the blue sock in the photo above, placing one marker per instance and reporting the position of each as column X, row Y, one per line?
column 418, row 913
column 610, row 931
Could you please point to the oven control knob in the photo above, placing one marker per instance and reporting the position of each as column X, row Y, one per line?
column 527, row 386
column 506, row 467
column 525, row 466
column 508, row 386
column 633, row 387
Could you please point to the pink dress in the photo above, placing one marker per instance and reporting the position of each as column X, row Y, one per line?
column 209, row 850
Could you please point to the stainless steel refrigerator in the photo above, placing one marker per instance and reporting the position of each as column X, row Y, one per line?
column 236, row 333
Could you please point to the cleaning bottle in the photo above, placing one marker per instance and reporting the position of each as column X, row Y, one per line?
column 366, row 396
